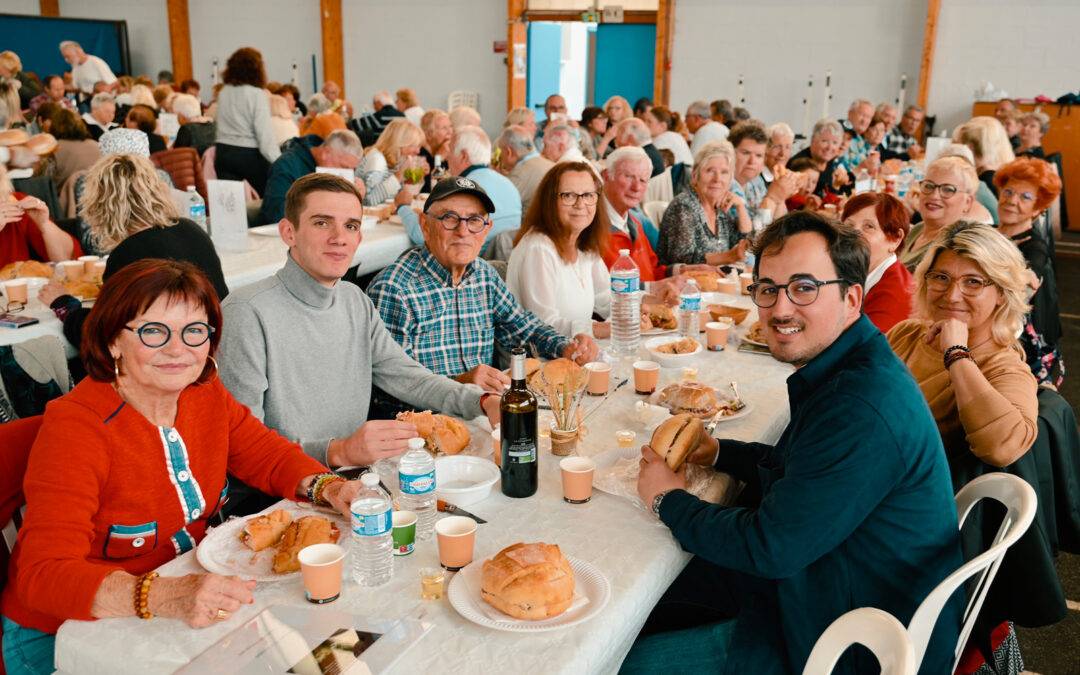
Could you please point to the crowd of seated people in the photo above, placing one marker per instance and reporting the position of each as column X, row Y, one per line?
column 517, row 235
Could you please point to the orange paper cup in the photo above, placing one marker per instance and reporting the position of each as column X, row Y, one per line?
column 320, row 565
column 577, row 475
column 745, row 279
column 89, row 261
column 646, row 375
column 599, row 377
column 717, row 333
column 73, row 270
column 457, row 535
column 16, row 291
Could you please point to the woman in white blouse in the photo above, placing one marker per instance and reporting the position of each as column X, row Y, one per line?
column 661, row 123
column 556, row 270
column 383, row 165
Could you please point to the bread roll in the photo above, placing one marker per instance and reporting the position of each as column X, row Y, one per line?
column 25, row 268
column 676, row 438
column 265, row 531
column 441, row 433
column 563, row 374
column 83, row 289
column 301, row 533
column 661, row 316
column 528, row 581
column 707, row 280
column 693, row 398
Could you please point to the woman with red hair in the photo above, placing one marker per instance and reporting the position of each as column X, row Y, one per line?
column 883, row 222
column 1026, row 188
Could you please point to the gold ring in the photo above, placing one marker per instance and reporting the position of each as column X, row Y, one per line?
column 221, row 615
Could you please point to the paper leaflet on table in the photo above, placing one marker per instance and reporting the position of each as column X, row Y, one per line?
column 227, row 210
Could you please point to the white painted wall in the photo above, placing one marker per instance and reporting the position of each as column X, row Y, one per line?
column 433, row 46
column 1027, row 49
column 147, row 24
column 283, row 30
column 777, row 44
column 20, row 7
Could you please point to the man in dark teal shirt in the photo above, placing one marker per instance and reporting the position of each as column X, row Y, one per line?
column 853, row 507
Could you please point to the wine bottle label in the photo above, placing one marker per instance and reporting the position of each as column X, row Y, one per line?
column 522, row 451
column 371, row 525
column 417, row 484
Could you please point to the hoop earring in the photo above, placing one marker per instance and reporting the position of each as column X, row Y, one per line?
column 211, row 359
column 116, row 367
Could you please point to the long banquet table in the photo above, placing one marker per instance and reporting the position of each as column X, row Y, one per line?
column 636, row 553
column 265, row 255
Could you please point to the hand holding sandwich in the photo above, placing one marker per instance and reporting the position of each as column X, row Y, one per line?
column 679, row 439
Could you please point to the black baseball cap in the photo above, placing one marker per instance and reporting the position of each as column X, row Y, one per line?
column 457, row 185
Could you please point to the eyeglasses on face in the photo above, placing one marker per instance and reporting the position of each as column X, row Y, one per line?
column 570, row 198
column 970, row 284
column 452, row 221
column 1024, row 196
column 801, row 292
column 947, row 190
column 156, row 334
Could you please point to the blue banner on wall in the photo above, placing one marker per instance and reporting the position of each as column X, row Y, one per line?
column 36, row 39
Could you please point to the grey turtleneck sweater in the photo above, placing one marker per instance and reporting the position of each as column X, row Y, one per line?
column 303, row 356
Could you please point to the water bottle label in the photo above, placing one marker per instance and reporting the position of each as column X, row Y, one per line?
column 690, row 304
column 522, row 451
column 625, row 284
column 417, row 484
column 197, row 211
column 371, row 525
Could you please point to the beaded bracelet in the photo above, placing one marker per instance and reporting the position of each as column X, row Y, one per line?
column 955, row 348
column 142, row 594
column 958, row 356
column 319, row 484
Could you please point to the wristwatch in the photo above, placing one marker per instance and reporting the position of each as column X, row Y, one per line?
column 656, row 502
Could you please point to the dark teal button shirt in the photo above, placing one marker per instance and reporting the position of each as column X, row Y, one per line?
column 856, row 510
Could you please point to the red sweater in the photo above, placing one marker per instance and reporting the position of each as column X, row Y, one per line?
column 22, row 240
column 641, row 251
column 889, row 301
column 107, row 490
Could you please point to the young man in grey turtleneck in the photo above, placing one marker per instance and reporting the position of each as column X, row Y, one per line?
column 302, row 350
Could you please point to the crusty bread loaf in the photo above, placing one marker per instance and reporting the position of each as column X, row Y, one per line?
column 562, row 374
column 694, row 398
column 441, row 433
column 707, row 280
column 82, row 289
column 25, row 268
column 528, row 581
column 676, row 438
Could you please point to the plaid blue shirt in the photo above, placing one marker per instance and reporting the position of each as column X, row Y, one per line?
column 857, row 152
column 453, row 329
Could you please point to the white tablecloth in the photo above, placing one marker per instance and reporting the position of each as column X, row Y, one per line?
column 631, row 547
column 380, row 246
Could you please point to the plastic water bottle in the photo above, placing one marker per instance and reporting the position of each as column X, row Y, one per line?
column 373, row 557
column 689, row 309
column 416, row 479
column 625, row 304
column 197, row 208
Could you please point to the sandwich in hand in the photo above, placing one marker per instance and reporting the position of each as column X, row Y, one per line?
column 303, row 532
column 693, row 398
column 265, row 531
column 676, row 438
column 661, row 316
column 441, row 433
column 528, row 581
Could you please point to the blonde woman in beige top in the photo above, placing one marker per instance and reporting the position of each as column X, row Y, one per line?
column 962, row 346
column 945, row 195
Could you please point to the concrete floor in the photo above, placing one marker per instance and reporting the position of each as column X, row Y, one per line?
column 1055, row 650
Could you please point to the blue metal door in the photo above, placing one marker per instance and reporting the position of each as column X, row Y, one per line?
column 545, row 60
column 625, row 61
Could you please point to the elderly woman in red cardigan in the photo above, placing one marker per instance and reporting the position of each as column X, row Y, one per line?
column 128, row 468
column 883, row 222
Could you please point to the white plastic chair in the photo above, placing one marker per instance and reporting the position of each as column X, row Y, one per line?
column 463, row 97
column 1020, row 501
column 875, row 629
column 654, row 211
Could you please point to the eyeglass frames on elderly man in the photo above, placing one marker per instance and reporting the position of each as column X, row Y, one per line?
column 801, row 292
column 947, row 190
column 970, row 284
column 156, row 334
column 452, row 221
column 571, row 198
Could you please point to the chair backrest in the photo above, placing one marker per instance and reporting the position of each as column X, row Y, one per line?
column 184, row 167
column 654, row 211
column 873, row 628
column 462, row 97
column 661, row 188
column 1020, row 503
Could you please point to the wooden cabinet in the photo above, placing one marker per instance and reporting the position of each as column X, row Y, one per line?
column 1063, row 137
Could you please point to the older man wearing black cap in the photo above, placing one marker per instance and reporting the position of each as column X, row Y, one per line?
column 447, row 307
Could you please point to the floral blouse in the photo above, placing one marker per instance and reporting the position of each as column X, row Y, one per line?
column 684, row 232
